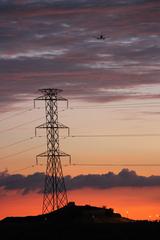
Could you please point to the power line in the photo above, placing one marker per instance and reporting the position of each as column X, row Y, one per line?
column 84, row 136
column 108, row 165
column 21, row 152
column 88, row 107
column 19, row 142
column 115, row 164
column 23, row 169
column 115, row 135
column 87, row 165
column 28, row 167
column 127, row 105
column 24, row 140
column 20, row 125
column 19, row 169
column 16, row 114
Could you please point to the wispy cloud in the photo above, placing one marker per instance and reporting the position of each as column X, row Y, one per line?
column 46, row 54
column 59, row 39
column 125, row 66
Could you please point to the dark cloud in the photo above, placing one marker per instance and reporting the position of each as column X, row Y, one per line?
column 53, row 44
column 70, row 3
column 34, row 182
column 19, row 182
column 125, row 178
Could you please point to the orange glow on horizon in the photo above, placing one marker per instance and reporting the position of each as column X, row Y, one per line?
column 134, row 203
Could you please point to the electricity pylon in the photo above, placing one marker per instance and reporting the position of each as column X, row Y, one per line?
column 55, row 194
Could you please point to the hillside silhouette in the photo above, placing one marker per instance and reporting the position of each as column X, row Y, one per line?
column 78, row 222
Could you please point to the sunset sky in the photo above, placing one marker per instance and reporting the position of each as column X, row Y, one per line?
column 113, row 88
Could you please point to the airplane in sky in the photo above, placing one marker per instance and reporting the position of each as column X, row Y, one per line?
column 101, row 37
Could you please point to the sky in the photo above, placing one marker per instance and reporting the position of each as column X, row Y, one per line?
column 113, row 88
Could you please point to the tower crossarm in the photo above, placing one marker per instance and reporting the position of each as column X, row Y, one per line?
column 50, row 95
column 59, row 154
column 59, row 126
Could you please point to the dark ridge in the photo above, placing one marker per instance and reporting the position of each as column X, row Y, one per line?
column 77, row 222
column 73, row 214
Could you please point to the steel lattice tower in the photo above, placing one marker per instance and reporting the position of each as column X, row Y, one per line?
column 55, row 194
